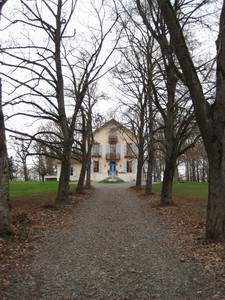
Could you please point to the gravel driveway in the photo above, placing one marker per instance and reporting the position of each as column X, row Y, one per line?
column 114, row 248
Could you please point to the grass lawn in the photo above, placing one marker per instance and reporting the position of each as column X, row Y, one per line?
column 190, row 199
column 187, row 190
column 24, row 189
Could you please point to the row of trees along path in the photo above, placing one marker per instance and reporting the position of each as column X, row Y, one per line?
column 210, row 117
column 113, row 248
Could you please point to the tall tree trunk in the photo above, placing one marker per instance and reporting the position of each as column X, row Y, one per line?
column 140, row 160
column 4, row 173
column 42, row 177
column 63, row 188
column 166, row 193
column 204, row 171
column 176, row 173
column 88, row 177
column 157, row 170
column 193, row 170
column 85, row 154
column 25, row 170
column 148, row 187
column 170, row 159
column 80, row 184
column 215, row 225
column 139, row 168
column 150, row 145
column 89, row 144
column 197, row 172
column 4, row 177
column 64, row 179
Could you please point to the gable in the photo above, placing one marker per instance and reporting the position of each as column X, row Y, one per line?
column 113, row 128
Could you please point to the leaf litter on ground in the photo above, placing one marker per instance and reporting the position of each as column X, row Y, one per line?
column 188, row 218
column 30, row 217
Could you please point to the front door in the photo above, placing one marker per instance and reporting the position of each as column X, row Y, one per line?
column 112, row 171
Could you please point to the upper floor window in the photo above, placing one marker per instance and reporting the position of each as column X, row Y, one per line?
column 129, row 149
column 96, row 149
column 113, row 138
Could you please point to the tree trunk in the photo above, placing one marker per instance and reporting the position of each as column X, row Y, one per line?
column 166, row 193
column 157, row 170
column 80, row 185
column 193, row 169
column 148, row 187
column 89, row 144
column 88, row 177
column 64, row 179
column 176, row 173
column 150, row 148
column 25, row 170
column 63, row 189
column 140, row 160
column 197, row 172
column 5, row 227
column 171, row 155
column 215, row 225
column 4, row 177
column 139, row 169
column 42, row 177
column 204, row 171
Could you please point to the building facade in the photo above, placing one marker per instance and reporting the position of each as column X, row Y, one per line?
column 113, row 154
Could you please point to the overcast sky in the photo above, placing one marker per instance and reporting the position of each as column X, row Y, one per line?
column 83, row 17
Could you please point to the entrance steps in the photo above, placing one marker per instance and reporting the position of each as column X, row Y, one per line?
column 113, row 179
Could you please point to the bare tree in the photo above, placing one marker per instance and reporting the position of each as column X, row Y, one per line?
column 149, row 77
column 176, row 113
column 21, row 148
column 4, row 174
column 132, row 82
column 88, row 119
column 44, row 162
column 59, row 72
column 195, row 161
column 210, row 118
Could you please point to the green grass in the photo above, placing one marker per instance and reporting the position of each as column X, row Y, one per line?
column 25, row 189
column 197, row 190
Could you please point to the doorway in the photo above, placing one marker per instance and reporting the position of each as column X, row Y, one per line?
column 112, row 170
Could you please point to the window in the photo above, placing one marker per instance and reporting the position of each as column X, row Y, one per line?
column 129, row 150
column 73, row 170
column 113, row 138
column 96, row 166
column 54, row 171
column 129, row 166
column 95, row 149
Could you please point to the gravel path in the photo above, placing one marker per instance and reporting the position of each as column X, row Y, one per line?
column 114, row 248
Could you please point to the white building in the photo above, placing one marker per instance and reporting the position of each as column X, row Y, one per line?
column 113, row 154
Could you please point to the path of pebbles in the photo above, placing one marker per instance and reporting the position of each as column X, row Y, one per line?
column 114, row 248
